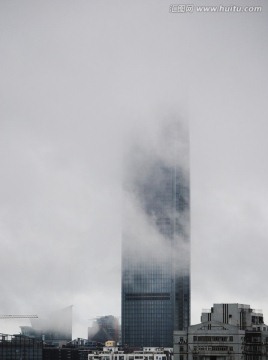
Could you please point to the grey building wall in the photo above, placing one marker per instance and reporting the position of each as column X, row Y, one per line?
column 240, row 315
column 227, row 332
column 209, row 340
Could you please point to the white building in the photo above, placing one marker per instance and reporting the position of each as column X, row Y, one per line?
column 112, row 353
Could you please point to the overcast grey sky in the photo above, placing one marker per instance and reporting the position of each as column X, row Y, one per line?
column 77, row 78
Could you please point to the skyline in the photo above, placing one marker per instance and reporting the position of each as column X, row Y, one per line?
column 77, row 80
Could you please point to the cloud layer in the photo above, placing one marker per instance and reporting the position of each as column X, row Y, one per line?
column 77, row 79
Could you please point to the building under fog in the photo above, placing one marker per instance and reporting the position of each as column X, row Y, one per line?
column 156, row 239
column 226, row 332
column 55, row 329
column 104, row 328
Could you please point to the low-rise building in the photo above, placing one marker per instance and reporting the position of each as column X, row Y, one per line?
column 17, row 347
column 226, row 332
column 113, row 353
column 54, row 329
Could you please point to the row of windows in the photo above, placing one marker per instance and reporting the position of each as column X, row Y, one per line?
column 147, row 305
column 213, row 348
column 155, row 313
column 126, row 357
column 148, row 323
column 147, row 335
column 147, row 296
column 143, row 272
column 148, row 286
column 142, row 323
column 143, row 316
column 213, row 338
column 155, row 279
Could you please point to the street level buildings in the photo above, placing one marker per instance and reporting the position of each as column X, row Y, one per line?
column 226, row 332
column 113, row 353
column 18, row 347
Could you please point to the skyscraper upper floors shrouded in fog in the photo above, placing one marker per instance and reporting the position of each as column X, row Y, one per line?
column 156, row 238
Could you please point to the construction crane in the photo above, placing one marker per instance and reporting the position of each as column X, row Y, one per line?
column 18, row 316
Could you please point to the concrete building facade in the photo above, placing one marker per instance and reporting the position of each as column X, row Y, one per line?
column 226, row 332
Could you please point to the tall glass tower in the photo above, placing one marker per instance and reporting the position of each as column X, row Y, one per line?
column 156, row 241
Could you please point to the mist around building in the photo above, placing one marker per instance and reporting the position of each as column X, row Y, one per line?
column 227, row 331
column 156, row 294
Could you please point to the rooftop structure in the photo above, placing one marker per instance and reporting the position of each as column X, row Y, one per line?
column 240, row 315
column 226, row 332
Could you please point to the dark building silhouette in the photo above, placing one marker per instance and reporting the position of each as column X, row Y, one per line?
column 156, row 240
column 75, row 350
column 19, row 347
column 103, row 329
column 55, row 329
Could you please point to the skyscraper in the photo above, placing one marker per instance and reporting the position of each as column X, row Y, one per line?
column 156, row 239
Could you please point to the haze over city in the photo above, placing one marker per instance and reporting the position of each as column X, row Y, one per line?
column 78, row 80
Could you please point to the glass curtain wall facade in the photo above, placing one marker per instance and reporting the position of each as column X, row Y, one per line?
column 156, row 252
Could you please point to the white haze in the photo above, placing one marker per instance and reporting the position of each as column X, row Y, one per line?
column 148, row 155
column 76, row 79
